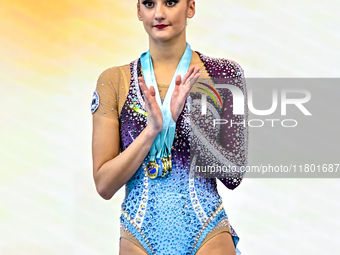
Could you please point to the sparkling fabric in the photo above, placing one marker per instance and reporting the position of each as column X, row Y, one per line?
column 173, row 215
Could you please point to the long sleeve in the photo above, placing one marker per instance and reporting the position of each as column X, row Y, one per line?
column 221, row 151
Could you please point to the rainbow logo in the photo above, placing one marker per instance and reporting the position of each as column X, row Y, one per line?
column 210, row 94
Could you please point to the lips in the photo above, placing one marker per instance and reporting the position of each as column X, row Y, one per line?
column 161, row 26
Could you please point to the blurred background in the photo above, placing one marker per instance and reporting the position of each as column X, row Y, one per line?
column 52, row 53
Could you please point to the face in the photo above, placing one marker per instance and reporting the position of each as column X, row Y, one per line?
column 163, row 19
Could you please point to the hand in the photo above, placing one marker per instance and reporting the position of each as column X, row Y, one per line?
column 155, row 118
column 181, row 91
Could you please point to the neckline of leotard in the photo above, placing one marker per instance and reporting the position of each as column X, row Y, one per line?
column 202, row 65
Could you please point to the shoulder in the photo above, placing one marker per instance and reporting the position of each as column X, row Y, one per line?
column 233, row 65
column 113, row 72
column 225, row 65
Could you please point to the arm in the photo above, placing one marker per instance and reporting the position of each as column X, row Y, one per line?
column 227, row 146
column 112, row 170
column 234, row 139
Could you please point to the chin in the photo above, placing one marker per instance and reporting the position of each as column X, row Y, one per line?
column 165, row 37
column 162, row 38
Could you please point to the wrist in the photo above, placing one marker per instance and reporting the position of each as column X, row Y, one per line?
column 150, row 132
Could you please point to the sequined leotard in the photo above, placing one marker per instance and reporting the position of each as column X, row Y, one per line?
column 178, row 213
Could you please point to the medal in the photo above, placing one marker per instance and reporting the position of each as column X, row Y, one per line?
column 165, row 166
column 152, row 169
column 170, row 164
column 160, row 152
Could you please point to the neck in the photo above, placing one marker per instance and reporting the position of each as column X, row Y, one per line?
column 167, row 54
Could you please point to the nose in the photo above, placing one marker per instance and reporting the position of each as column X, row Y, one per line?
column 159, row 12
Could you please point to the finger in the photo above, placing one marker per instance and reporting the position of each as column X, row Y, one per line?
column 152, row 91
column 192, row 74
column 141, row 79
column 142, row 84
column 177, row 83
column 194, row 79
column 191, row 69
column 196, row 75
column 178, row 80
column 196, row 72
column 146, row 92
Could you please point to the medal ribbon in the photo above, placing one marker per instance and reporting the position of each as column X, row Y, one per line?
column 161, row 148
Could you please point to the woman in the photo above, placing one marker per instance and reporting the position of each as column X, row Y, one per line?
column 140, row 111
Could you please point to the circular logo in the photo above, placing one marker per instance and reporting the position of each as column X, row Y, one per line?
column 95, row 102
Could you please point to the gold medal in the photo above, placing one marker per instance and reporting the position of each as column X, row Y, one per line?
column 169, row 163
column 165, row 166
column 152, row 169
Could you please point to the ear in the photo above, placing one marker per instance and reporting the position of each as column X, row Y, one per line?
column 138, row 12
column 191, row 9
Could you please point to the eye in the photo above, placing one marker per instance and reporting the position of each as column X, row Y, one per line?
column 172, row 3
column 148, row 4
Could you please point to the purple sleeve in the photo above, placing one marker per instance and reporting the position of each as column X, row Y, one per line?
column 228, row 145
column 234, row 138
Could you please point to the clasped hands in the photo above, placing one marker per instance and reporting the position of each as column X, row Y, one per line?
column 178, row 98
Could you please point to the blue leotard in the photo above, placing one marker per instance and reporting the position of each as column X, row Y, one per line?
column 173, row 214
